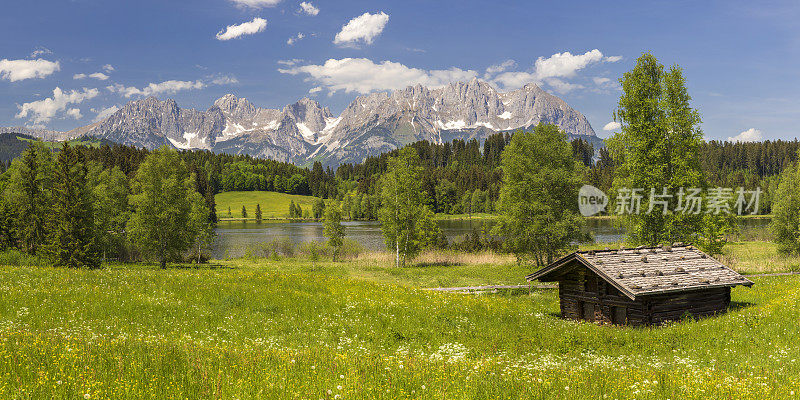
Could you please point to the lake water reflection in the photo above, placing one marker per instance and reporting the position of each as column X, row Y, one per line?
column 234, row 238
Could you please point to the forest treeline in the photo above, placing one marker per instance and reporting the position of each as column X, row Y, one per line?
column 76, row 212
column 460, row 177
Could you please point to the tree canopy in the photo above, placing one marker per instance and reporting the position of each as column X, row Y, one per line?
column 538, row 200
column 163, row 201
column 406, row 220
column 786, row 211
column 657, row 148
column 333, row 228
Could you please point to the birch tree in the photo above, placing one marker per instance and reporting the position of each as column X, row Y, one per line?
column 406, row 220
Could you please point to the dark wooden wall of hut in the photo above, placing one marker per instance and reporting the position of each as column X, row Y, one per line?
column 585, row 295
column 700, row 303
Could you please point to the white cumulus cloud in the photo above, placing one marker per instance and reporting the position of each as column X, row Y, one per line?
column 155, row 89
column 74, row 113
column 600, row 81
column 565, row 64
column 364, row 28
column 225, row 80
column 256, row 3
column 503, row 66
column 40, row 51
column 42, row 111
column 245, row 28
column 97, row 75
column 511, row 80
column 561, row 86
column 550, row 70
column 108, row 68
column 363, row 76
column 612, row 126
column 294, row 39
column 750, row 135
column 309, row 8
column 603, row 84
column 291, row 62
column 18, row 70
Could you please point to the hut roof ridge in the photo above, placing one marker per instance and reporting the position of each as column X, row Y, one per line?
column 639, row 271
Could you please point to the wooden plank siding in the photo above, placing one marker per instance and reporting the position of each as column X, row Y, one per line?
column 585, row 295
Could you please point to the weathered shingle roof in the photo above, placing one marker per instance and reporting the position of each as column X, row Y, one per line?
column 650, row 270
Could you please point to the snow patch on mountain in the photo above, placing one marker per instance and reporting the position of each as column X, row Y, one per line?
column 370, row 125
column 460, row 124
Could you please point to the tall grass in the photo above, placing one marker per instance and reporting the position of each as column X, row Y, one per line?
column 280, row 248
column 13, row 257
column 758, row 257
column 249, row 333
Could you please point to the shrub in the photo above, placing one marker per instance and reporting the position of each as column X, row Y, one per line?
column 280, row 247
column 314, row 250
column 17, row 258
column 350, row 249
column 476, row 241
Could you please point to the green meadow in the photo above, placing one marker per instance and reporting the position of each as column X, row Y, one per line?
column 297, row 328
column 273, row 205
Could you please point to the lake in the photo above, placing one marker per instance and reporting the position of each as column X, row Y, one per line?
column 235, row 237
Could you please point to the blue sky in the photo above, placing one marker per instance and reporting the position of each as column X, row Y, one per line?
column 740, row 58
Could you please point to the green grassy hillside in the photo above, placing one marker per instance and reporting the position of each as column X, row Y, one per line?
column 273, row 205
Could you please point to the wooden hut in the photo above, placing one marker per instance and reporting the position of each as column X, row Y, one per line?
column 641, row 286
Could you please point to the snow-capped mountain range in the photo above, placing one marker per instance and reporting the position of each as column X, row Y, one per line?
column 305, row 131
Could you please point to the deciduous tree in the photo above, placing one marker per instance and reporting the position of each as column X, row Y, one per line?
column 538, row 200
column 29, row 194
column 657, row 147
column 333, row 228
column 162, row 199
column 406, row 221
column 786, row 211
column 318, row 208
column 110, row 190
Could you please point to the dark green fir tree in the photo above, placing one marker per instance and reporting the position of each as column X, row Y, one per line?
column 73, row 241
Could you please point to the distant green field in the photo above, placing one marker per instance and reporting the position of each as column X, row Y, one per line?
column 90, row 142
column 273, row 204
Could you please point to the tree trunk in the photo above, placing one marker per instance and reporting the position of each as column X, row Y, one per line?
column 397, row 253
column 163, row 254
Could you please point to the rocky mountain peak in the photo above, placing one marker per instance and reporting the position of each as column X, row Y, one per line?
column 309, row 113
column 227, row 102
column 371, row 124
column 230, row 104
